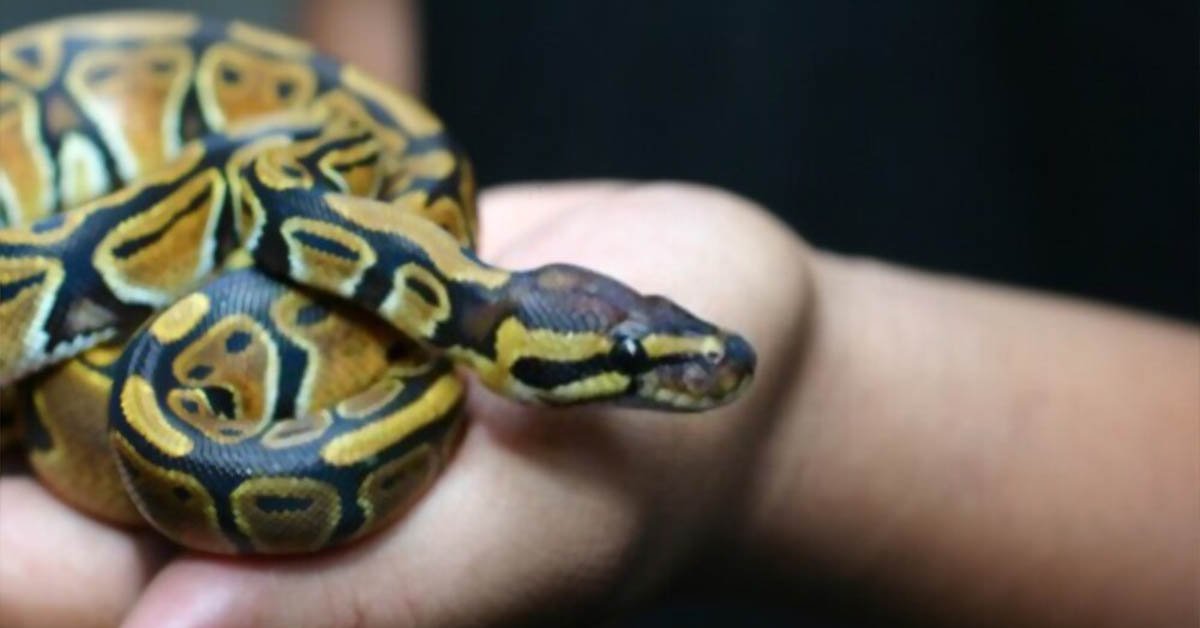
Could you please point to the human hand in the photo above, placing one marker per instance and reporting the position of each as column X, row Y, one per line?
column 541, row 512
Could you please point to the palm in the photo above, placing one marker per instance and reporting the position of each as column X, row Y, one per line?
column 538, row 507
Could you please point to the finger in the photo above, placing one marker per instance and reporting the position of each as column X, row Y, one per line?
column 497, row 539
column 707, row 249
column 535, row 512
column 58, row 567
column 386, row 41
column 514, row 212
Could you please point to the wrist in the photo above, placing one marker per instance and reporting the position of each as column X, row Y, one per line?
column 808, row 513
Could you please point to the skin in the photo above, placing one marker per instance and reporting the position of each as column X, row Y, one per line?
column 1006, row 449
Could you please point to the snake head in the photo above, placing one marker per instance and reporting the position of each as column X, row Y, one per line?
column 676, row 361
column 587, row 337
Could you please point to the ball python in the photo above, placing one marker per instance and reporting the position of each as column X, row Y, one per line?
column 237, row 276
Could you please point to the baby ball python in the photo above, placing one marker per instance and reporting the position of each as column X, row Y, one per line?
column 235, row 276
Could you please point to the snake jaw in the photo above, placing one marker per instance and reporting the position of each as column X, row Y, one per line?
column 695, row 383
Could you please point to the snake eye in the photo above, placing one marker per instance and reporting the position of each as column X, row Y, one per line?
column 628, row 355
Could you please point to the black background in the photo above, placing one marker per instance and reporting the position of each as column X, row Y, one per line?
column 1050, row 144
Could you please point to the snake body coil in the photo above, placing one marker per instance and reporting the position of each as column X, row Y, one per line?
column 242, row 271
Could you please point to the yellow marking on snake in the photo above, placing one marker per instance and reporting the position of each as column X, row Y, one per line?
column 139, row 403
column 281, row 170
column 26, row 168
column 301, row 430
column 286, row 514
column 70, row 403
column 32, row 56
column 235, row 84
column 368, row 441
column 345, row 352
column 36, row 281
column 273, row 42
column 601, row 385
column 102, row 355
column 387, row 490
column 339, row 274
column 131, row 25
column 412, row 305
column 186, row 162
column 344, row 105
column 238, row 356
column 351, row 170
column 82, row 175
column 408, row 113
column 134, row 97
column 371, row 400
column 176, row 502
column 443, row 212
column 660, row 345
column 154, row 256
column 180, row 319
column 515, row 341
column 441, row 247
column 246, row 208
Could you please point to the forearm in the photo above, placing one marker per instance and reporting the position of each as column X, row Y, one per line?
column 988, row 454
column 382, row 37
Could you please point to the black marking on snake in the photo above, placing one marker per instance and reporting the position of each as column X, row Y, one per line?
column 340, row 144
column 281, row 503
column 422, row 289
column 10, row 290
column 284, row 89
column 311, row 314
column 181, row 493
column 162, row 66
column 391, row 479
column 49, row 223
column 191, row 407
column 200, row 371
column 100, row 73
column 237, row 342
column 36, row 435
column 230, row 75
column 369, row 160
column 130, row 247
column 628, row 355
column 549, row 374
column 221, row 401
column 399, row 350
column 192, row 125
column 326, row 245
column 30, row 55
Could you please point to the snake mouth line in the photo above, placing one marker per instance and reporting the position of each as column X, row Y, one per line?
column 666, row 398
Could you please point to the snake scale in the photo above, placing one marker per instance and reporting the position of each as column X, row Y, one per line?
column 236, row 277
